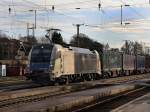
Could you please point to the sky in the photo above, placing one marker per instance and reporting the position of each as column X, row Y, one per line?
column 102, row 25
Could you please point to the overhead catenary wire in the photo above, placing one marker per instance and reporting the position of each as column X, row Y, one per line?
column 56, row 11
column 63, row 14
column 30, row 3
column 41, row 7
column 53, row 11
column 136, row 12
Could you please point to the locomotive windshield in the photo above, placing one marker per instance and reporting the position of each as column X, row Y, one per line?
column 41, row 54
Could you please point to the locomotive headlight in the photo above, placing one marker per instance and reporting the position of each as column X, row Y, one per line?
column 51, row 66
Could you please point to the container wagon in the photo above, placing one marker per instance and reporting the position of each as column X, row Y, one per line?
column 111, row 63
column 147, row 63
column 128, row 64
column 140, row 64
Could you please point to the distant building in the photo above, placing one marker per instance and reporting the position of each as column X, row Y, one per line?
column 9, row 50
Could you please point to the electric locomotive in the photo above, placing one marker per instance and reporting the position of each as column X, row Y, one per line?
column 55, row 63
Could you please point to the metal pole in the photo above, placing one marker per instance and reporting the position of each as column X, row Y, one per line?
column 35, row 17
column 78, row 29
column 121, row 15
column 136, row 52
column 27, row 29
column 35, row 20
column 78, row 32
column 33, row 32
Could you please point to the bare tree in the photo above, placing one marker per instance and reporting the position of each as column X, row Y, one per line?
column 132, row 48
column 84, row 41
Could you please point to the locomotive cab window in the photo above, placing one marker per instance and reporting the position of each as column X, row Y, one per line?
column 41, row 54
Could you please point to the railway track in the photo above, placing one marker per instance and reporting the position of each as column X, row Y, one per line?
column 127, row 78
column 11, row 79
column 29, row 84
column 113, row 102
column 18, row 86
column 119, row 80
column 28, row 99
column 13, row 83
column 42, row 96
column 81, row 86
column 8, row 81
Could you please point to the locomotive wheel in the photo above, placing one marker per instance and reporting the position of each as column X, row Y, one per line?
column 96, row 77
column 62, row 81
column 89, row 78
column 106, row 75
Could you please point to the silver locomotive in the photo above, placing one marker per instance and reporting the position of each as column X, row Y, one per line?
column 55, row 63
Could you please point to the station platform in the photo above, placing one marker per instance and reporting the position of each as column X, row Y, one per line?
column 141, row 104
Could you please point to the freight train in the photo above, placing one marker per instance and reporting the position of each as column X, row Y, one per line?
column 57, row 64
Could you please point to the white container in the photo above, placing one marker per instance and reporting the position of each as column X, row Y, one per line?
column 3, row 71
